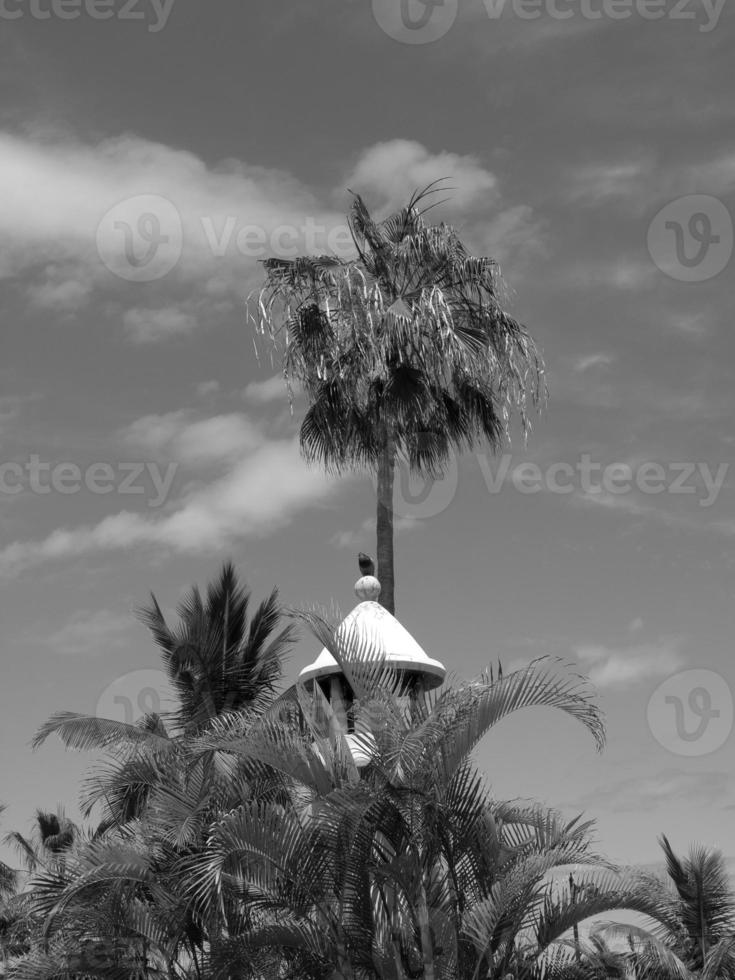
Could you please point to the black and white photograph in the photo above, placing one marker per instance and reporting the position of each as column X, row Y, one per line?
column 367, row 490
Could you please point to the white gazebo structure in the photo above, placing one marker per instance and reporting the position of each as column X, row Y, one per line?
column 373, row 630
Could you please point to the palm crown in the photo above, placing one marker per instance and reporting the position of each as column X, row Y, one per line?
column 215, row 658
column 405, row 352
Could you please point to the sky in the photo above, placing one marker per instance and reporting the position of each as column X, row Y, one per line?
column 152, row 152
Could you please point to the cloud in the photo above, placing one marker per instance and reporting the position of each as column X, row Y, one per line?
column 665, row 789
column 258, row 495
column 150, row 326
column 514, row 232
column 388, row 173
column 86, row 632
column 640, row 181
column 59, row 294
column 715, row 175
column 262, row 484
column 593, row 361
column 625, row 666
column 194, row 442
column 86, row 218
column 494, row 27
column 264, row 392
column 59, row 230
column 620, row 273
column 601, row 183
column 694, row 326
column 623, row 503
column 206, row 388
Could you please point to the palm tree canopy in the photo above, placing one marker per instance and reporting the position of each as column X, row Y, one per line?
column 412, row 335
column 216, row 660
column 705, row 899
column 221, row 661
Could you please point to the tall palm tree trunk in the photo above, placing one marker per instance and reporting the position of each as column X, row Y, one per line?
column 386, row 477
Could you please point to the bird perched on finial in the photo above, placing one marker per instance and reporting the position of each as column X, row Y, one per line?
column 367, row 565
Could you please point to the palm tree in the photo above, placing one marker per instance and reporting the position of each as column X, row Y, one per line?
column 50, row 841
column 405, row 868
column 405, row 352
column 705, row 902
column 7, row 874
column 45, row 850
column 218, row 661
column 694, row 919
column 8, row 884
column 115, row 908
column 308, row 867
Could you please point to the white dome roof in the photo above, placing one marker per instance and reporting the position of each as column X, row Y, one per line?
column 371, row 626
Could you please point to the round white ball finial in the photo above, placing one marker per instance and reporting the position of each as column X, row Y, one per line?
column 367, row 588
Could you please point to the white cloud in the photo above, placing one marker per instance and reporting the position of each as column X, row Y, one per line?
column 716, row 174
column 388, row 173
column 75, row 222
column 261, row 485
column 260, row 493
column 149, row 326
column 59, row 294
column 664, row 789
column 593, row 361
column 695, row 326
column 602, row 182
column 194, row 442
column 514, row 231
column 87, row 632
column 624, row 666
column 206, row 388
column 263, row 392
column 621, row 273
column 220, row 438
column 63, row 188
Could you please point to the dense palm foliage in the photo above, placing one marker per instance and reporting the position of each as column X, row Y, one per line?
column 694, row 934
column 257, row 848
column 153, row 798
column 218, row 659
column 7, row 874
column 253, row 836
column 51, row 839
column 406, row 352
